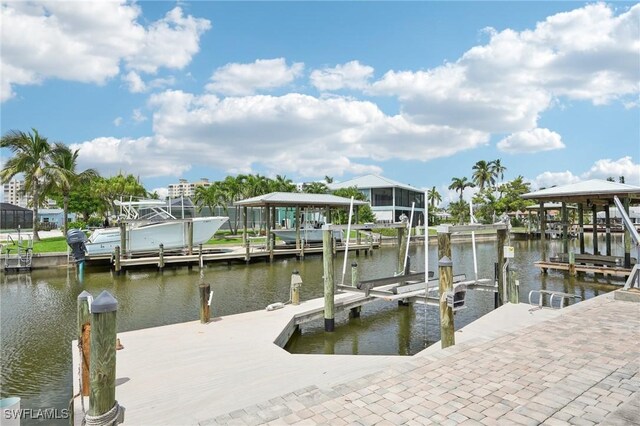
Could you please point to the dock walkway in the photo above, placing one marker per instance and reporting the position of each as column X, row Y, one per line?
column 512, row 366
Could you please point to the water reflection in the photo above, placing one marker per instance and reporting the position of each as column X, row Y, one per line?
column 38, row 311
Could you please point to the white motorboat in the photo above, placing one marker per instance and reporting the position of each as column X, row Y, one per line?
column 150, row 224
column 307, row 235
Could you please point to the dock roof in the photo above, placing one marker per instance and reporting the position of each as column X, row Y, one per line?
column 595, row 191
column 293, row 199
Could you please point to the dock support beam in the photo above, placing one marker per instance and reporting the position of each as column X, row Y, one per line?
column 84, row 338
column 161, row 256
column 190, row 237
column 447, row 334
column 116, row 260
column 102, row 393
column 581, row 227
column 329, row 286
column 502, row 238
column 543, row 231
column 565, row 228
column 607, row 224
column 123, row 239
column 594, row 221
column 245, row 235
column 298, row 245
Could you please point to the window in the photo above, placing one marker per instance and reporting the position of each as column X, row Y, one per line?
column 382, row 197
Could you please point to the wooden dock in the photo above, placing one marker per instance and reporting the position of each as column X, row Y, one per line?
column 228, row 254
column 604, row 270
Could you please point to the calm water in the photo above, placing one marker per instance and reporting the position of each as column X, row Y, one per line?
column 38, row 311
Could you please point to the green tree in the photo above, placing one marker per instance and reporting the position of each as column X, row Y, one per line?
column 84, row 199
column 459, row 211
column 497, row 169
column 341, row 216
column 63, row 175
column 31, row 157
column 621, row 179
column 511, row 200
column 119, row 187
column 282, row 184
column 460, row 184
column 482, row 174
column 328, row 179
column 610, row 179
column 316, row 188
column 434, row 197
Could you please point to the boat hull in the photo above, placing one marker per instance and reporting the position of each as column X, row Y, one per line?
column 310, row 236
column 172, row 234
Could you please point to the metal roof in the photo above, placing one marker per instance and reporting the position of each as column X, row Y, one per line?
column 292, row 199
column 595, row 191
column 12, row 207
column 371, row 181
column 548, row 206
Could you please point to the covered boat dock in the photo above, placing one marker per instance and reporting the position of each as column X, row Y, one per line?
column 594, row 195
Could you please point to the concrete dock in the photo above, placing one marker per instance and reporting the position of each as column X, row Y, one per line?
column 515, row 365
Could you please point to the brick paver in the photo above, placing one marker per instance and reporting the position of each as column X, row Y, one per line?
column 582, row 367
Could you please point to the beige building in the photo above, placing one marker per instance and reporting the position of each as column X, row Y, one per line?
column 185, row 188
column 13, row 193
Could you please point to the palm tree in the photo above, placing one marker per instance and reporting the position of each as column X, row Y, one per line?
column 62, row 175
column 434, row 197
column 316, row 188
column 482, row 174
column 282, row 184
column 328, row 179
column 31, row 156
column 497, row 169
column 460, row 184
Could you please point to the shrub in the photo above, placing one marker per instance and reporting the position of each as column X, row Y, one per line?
column 78, row 224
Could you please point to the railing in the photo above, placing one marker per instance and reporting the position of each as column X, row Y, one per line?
column 634, row 278
column 552, row 294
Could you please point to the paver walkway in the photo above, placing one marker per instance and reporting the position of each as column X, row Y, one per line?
column 581, row 367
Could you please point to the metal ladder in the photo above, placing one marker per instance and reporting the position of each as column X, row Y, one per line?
column 552, row 294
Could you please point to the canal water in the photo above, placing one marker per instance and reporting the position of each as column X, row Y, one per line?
column 38, row 310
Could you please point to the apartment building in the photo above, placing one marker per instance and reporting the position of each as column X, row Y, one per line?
column 186, row 188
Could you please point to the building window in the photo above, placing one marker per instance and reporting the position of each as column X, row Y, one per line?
column 382, row 197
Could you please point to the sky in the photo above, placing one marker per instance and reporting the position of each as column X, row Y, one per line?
column 414, row 91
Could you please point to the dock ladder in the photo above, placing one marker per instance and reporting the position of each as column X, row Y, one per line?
column 552, row 295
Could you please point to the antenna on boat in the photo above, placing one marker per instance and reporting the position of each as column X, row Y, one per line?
column 346, row 247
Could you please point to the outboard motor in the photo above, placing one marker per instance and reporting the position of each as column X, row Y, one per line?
column 76, row 239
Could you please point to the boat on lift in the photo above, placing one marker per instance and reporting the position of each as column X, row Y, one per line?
column 149, row 223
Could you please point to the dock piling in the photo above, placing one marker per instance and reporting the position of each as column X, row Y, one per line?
column 502, row 238
column 329, row 285
column 445, row 268
column 161, row 256
column 205, row 310
column 200, row 259
column 116, row 260
column 296, row 283
column 84, row 335
column 102, row 393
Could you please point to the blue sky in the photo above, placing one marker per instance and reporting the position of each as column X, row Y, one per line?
column 414, row 91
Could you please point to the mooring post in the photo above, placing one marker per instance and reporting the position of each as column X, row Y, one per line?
column 245, row 235
column 329, row 286
column 84, row 337
column 123, row 238
column 102, row 393
column 543, row 231
column 444, row 242
column 370, row 243
column 514, row 287
column 296, row 283
column 205, row 293
column 572, row 264
column 161, row 256
column 190, row 237
column 355, row 278
column 565, row 228
column 298, row 230
column 594, row 230
column 447, row 336
column 607, row 225
column 502, row 238
column 116, row 260
column 200, row 258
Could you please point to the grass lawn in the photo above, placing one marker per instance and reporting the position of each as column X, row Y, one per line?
column 46, row 245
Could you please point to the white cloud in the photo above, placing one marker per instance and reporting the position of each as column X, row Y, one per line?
column 146, row 156
column 117, row 122
column 134, row 82
column 352, row 75
column 531, row 141
column 549, row 179
column 504, row 85
column 87, row 41
column 138, row 116
column 246, row 79
column 601, row 169
column 624, row 166
column 162, row 192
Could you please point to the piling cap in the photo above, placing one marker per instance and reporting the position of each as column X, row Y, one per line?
column 354, row 264
column 105, row 302
column 445, row 261
column 295, row 271
column 85, row 295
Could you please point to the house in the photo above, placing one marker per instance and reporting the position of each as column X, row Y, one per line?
column 14, row 217
column 389, row 199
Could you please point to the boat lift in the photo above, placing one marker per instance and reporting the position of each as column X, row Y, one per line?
column 21, row 260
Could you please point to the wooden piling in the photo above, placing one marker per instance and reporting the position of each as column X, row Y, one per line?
column 190, row 237
column 565, row 228
column 502, row 238
column 572, row 264
column 513, row 289
column 296, row 282
column 298, row 245
column 355, row 278
column 161, row 256
column 444, row 242
column 543, row 231
column 116, row 260
column 447, row 335
column 84, row 338
column 594, row 221
column 200, row 258
column 329, row 286
column 102, row 393
column 205, row 290
column 245, row 236
column 581, row 227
